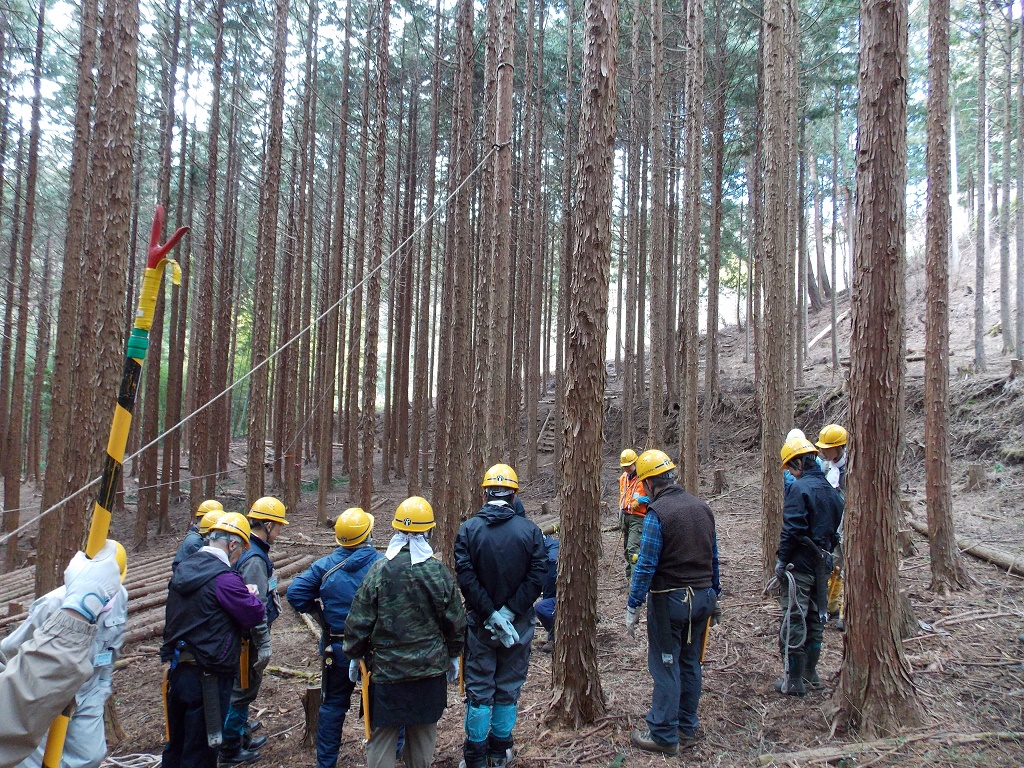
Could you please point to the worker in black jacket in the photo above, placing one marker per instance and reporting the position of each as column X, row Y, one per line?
column 500, row 563
column 811, row 515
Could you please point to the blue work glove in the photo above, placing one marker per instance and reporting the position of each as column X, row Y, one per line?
column 353, row 670
column 453, row 671
column 780, row 570
column 643, row 499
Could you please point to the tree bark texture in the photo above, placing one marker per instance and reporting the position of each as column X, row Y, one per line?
column 577, row 696
column 876, row 689
column 659, row 276
column 981, row 169
column 948, row 569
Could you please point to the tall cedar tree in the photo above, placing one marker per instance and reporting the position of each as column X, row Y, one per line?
column 981, row 168
column 876, row 689
column 53, row 548
column 368, row 421
column 576, row 683
column 265, row 252
column 778, row 132
column 948, row 570
column 659, row 271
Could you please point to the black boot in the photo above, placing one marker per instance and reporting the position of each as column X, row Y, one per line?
column 810, row 675
column 792, row 684
column 235, row 755
column 474, row 754
column 499, row 751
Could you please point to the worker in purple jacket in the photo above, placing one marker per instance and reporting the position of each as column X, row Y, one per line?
column 208, row 608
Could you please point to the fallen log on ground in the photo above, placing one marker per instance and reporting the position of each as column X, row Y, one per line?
column 1009, row 563
column 837, row 753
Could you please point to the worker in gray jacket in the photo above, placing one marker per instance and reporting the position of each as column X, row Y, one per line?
column 86, row 743
column 42, row 677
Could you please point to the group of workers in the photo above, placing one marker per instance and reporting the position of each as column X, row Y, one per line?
column 401, row 627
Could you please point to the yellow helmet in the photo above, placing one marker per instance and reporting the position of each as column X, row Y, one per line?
column 234, row 523
column 627, row 457
column 209, row 519
column 268, row 508
column 121, row 557
column 208, row 506
column 653, row 463
column 414, row 515
column 795, row 446
column 832, row 436
column 352, row 527
column 501, row 476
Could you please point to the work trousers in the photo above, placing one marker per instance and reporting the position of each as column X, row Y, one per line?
column 238, row 713
column 337, row 691
column 801, row 625
column 496, row 675
column 677, row 686
column 545, row 610
column 632, row 532
column 382, row 748
column 186, row 719
column 86, row 742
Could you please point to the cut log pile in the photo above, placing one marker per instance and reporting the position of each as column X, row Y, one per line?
column 147, row 591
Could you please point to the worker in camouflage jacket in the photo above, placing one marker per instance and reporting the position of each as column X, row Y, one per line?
column 408, row 625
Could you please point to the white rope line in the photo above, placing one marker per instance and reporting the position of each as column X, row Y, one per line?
column 131, row 761
column 313, row 323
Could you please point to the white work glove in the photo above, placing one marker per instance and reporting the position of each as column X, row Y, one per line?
column 502, row 629
column 631, row 621
column 353, row 670
column 90, row 584
column 507, row 614
column 453, row 671
column 263, row 654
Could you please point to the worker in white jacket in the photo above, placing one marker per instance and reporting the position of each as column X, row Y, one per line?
column 65, row 649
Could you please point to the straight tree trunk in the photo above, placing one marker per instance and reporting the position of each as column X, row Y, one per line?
column 265, row 256
column 824, row 285
column 577, row 696
column 659, row 275
column 200, row 343
column 368, row 421
column 689, row 349
column 499, row 422
column 1019, row 335
column 875, row 686
column 1005, row 297
column 52, row 548
column 981, row 170
column 948, row 570
column 778, row 131
column 421, row 379
column 712, row 391
column 634, row 149
column 336, row 275
column 12, row 461
column 39, row 380
column 835, row 231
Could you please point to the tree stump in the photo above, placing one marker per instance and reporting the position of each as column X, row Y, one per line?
column 976, row 478
column 908, row 621
column 311, row 701
column 13, row 608
column 904, row 540
column 1016, row 368
column 720, row 483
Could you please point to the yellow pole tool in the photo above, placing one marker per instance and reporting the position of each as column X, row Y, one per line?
column 138, row 343
column 243, row 665
column 366, row 697
column 704, row 642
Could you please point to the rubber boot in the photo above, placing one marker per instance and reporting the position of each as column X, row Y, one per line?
column 810, row 675
column 499, row 751
column 237, row 755
column 792, row 684
column 474, row 754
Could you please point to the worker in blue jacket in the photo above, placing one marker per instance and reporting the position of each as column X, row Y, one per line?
column 326, row 590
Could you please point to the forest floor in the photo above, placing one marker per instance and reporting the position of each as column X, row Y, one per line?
column 968, row 667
